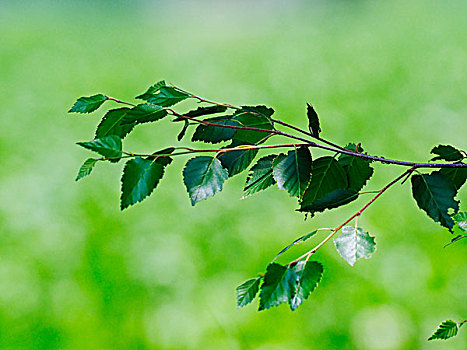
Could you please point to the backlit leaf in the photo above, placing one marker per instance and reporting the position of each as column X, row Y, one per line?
column 353, row 244
column 108, row 147
column 247, row 291
column 86, row 168
column 88, row 104
column 446, row 330
column 203, row 177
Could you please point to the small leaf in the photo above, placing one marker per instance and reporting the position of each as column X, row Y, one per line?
column 88, row 104
column 297, row 241
column 152, row 90
column 237, row 161
column 327, row 176
column 111, row 124
column 203, row 177
column 448, row 153
column 313, row 121
column 278, row 286
column 200, row 111
column 167, row 96
column 446, row 330
column 144, row 113
column 108, row 146
column 435, row 195
column 215, row 134
column 140, row 178
column 292, row 171
column 332, row 200
column 183, row 131
column 247, row 291
column 456, row 176
column 260, row 176
column 358, row 169
column 309, row 275
column 354, row 244
column 461, row 220
column 86, row 168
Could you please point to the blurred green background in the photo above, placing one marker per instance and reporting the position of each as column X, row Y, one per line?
column 76, row 273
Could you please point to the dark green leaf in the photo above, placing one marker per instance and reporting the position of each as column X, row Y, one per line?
column 278, row 286
column 292, row 171
column 111, row 124
column 140, row 178
column 260, row 176
column 88, row 104
column 152, row 90
column 327, row 176
column 297, row 241
column 108, row 146
column 200, row 111
column 183, row 131
column 252, row 117
column 456, row 176
column 445, row 330
column 332, row 200
column 448, row 153
column 237, row 161
column 86, row 168
column 309, row 275
column 215, row 134
column 203, row 178
column 358, row 169
column 144, row 113
column 354, row 244
column 435, row 195
column 247, row 291
column 167, row 96
column 313, row 121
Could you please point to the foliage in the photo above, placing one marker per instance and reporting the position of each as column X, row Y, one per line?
column 446, row 330
column 323, row 183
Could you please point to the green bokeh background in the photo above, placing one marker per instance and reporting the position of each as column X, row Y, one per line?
column 76, row 273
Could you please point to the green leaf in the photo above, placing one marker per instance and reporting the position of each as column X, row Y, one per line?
column 108, row 146
column 215, row 134
column 309, row 275
column 278, row 286
column 358, row 169
column 297, row 241
column 237, row 161
column 446, row 330
column 140, row 178
column 200, row 111
column 313, row 121
column 86, row 168
column 435, row 195
column 354, row 244
column 166, row 96
column 260, row 176
column 203, row 177
column 252, row 117
column 292, row 171
column 461, row 220
column 456, row 176
column 332, row 200
column 88, row 104
column 144, row 113
column 327, row 176
column 446, row 152
column 111, row 124
column 183, row 131
column 152, row 90
column 247, row 291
